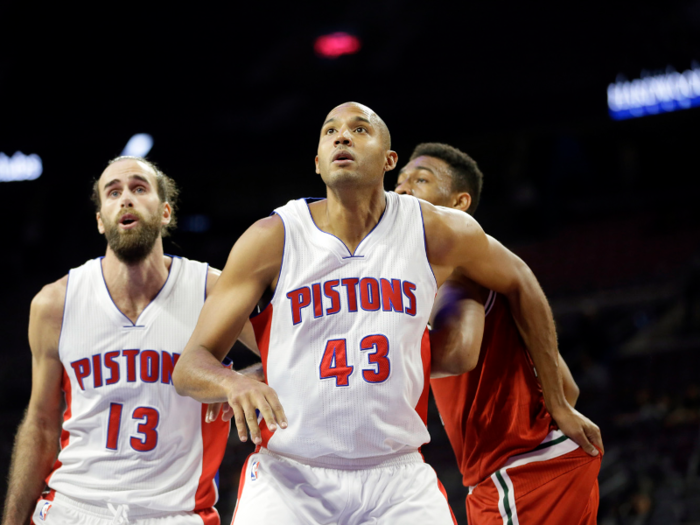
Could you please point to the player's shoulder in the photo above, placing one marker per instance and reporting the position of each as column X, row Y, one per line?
column 269, row 226
column 212, row 276
column 261, row 245
column 265, row 233
column 48, row 304
column 440, row 221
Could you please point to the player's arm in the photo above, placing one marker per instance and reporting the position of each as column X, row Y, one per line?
column 457, row 323
column 571, row 390
column 247, row 335
column 36, row 442
column 254, row 371
column 457, row 243
column 252, row 267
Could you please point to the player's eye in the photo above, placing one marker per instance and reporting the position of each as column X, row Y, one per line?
column 114, row 193
column 421, row 180
column 329, row 131
column 140, row 189
column 360, row 129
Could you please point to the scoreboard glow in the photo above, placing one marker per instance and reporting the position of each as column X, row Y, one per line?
column 654, row 93
column 20, row 167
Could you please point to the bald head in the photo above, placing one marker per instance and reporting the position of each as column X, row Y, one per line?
column 375, row 119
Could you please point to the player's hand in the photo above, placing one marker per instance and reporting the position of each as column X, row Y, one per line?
column 214, row 409
column 579, row 428
column 247, row 395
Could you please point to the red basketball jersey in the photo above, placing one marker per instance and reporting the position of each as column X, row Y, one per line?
column 497, row 410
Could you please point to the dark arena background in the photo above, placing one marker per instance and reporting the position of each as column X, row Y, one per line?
column 582, row 120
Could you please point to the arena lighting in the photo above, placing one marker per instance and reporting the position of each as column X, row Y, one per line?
column 139, row 145
column 20, row 167
column 652, row 94
column 336, row 44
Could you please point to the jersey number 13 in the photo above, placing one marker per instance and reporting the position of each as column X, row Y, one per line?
column 148, row 417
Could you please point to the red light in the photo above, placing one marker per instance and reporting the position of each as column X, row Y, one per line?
column 336, row 44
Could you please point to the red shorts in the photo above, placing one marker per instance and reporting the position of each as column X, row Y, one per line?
column 560, row 490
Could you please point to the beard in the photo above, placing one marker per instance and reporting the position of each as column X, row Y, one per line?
column 134, row 245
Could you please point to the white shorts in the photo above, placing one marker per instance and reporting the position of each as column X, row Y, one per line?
column 401, row 491
column 63, row 510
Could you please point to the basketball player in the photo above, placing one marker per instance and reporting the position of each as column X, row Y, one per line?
column 108, row 335
column 344, row 339
column 519, row 467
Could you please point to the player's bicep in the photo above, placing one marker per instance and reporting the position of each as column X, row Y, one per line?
column 252, row 266
column 489, row 263
column 45, row 321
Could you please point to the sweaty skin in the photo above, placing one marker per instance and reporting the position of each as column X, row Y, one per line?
column 352, row 159
column 132, row 289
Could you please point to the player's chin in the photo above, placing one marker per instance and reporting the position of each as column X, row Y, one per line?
column 345, row 177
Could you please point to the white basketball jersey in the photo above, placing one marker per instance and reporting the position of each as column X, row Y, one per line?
column 128, row 437
column 344, row 340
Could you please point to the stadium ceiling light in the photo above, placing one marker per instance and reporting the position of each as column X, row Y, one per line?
column 336, row 45
column 20, row 167
column 652, row 94
column 139, row 145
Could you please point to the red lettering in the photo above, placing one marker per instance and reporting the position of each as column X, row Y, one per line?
column 318, row 302
column 299, row 299
column 97, row 370
column 150, row 366
column 408, row 292
column 82, row 370
column 333, row 295
column 113, row 367
column 130, row 364
column 169, row 362
column 391, row 295
column 369, row 294
column 351, row 287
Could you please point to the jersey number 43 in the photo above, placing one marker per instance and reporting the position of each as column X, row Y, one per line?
column 334, row 363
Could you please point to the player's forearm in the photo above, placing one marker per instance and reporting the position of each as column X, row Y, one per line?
column 33, row 456
column 571, row 390
column 535, row 322
column 457, row 329
column 198, row 374
column 454, row 349
column 254, row 371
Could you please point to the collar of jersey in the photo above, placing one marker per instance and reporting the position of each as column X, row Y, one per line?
column 151, row 309
column 338, row 245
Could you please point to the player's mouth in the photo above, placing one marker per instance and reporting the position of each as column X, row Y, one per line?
column 343, row 157
column 128, row 221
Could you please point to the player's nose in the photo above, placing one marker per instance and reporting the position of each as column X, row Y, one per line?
column 344, row 137
column 126, row 200
column 404, row 188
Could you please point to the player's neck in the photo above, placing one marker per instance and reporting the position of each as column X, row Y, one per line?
column 351, row 215
column 134, row 286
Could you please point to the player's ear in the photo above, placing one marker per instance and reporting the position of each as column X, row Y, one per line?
column 167, row 213
column 100, row 224
column 318, row 171
column 461, row 201
column 392, row 158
